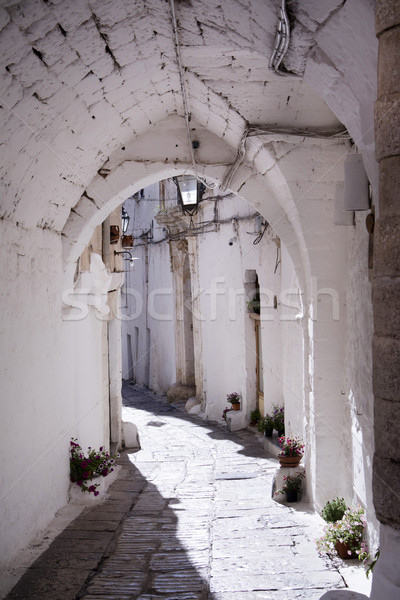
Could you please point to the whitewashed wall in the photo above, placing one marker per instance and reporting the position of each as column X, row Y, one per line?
column 34, row 394
column 293, row 321
column 147, row 300
column 227, row 332
column 359, row 395
column 52, row 374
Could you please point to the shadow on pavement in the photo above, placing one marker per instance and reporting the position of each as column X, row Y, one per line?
column 121, row 549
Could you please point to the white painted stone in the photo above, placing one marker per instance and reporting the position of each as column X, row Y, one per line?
column 77, row 496
column 235, row 421
column 196, row 410
column 193, row 406
column 343, row 595
column 278, row 483
column 386, row 576
column 70, row 17
column 130, row 435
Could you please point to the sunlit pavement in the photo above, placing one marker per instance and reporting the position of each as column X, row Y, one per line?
column 190, row 517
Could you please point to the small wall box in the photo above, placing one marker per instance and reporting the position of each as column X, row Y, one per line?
column 127, row 241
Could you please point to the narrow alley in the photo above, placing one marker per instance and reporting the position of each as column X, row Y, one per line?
column 190, row 517
column 201, row 197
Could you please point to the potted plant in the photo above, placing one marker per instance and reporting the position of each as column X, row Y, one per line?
column 278, row 416
column 291, row 451
column 346, row 536
column 255, row 417
column 97, row 463
column 334, row 510
column 234, row 399
column 292, row 486
column 266, row 425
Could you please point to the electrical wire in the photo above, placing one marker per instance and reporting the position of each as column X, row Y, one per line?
column 204, row 227
column 184, row 96
column 259, row 130
column 282, row 40
column 278, row 259
column 261, row 234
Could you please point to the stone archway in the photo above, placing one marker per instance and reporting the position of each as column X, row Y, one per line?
column 70, row 129
column 303, row 222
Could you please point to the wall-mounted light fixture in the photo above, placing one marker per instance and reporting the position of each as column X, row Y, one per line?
column 190, row 192
column 125, row 221
column 131, row 258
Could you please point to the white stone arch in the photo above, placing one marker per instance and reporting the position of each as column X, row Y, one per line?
column 259, row 180
column 258, row 175
column 252, row 181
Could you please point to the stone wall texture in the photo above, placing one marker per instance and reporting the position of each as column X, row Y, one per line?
column 386, row 347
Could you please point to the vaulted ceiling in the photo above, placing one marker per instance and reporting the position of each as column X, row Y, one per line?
column 81, row 79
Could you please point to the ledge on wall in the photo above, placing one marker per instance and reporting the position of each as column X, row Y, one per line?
column 270, row 444
column 235, row 420
column 77, row 496
column 278, row 481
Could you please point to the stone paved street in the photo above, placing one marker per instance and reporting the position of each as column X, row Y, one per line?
column 190, row 517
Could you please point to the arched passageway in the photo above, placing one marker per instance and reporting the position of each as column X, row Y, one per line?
column 95, row 107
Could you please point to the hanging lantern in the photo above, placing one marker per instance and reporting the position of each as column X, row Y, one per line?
column 190, row 192
column 125, row 220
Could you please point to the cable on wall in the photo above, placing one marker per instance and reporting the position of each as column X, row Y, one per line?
column 184, row 96
column 306, row 132
column 239, row 158
column 282, row 40
column 260, row 236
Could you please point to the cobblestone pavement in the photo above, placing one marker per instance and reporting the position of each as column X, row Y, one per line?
column 190, row 517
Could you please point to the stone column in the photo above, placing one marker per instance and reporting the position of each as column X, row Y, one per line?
column 386, row 303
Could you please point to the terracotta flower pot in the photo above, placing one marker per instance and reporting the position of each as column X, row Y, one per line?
column 343, row 550
column 289, row 461
column 236, row 405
